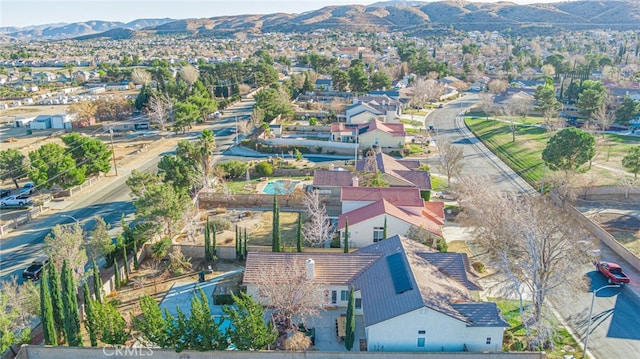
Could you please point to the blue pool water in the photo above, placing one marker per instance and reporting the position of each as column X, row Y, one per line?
column 278, row 187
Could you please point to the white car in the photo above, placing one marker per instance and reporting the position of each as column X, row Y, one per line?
column 16, row 201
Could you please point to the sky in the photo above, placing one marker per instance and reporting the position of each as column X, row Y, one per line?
column 22, row 13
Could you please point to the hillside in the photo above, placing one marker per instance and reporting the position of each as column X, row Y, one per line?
column 408, row 16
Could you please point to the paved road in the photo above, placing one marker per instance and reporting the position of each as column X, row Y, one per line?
column 109, row 199
column 478, row 160
column 615, row 329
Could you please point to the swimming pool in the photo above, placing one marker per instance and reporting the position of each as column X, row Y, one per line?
column 280, row 187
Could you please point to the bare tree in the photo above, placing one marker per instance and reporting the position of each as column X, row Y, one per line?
column 66, row 242
column 425, row 91
column 285, row 288
column 605, row 115
column 532, row 242
column 486, row 103
column 140, row 76
column 497, row 86
column 19, row 306
column 522, row 105
column 158, row 109
column 189, row 74
column 85, row 110
column 451, row 160
column 317, row 229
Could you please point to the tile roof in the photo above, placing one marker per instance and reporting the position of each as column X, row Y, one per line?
column 394, row 129
column 455, row 265
column 398, row 196
column 402, row 171
column 332, row 178
column 381, row 207
column 330, row 268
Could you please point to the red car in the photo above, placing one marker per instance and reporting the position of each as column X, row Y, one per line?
column 613, row 272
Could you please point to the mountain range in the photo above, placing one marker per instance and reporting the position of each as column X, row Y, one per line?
column 414, row 17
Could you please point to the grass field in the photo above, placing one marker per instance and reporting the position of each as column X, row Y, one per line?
column 525, row 154
column 262, row 235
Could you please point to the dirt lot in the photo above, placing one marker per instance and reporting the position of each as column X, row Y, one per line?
column 621, row 220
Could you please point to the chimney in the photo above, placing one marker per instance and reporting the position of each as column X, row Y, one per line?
column 331, row 167
column 355, row 181
column 311, row 268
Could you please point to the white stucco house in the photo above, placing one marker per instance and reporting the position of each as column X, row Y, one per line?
column 368, row 208
column 410, row 298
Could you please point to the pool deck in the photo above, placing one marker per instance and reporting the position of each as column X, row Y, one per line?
column 261, row 186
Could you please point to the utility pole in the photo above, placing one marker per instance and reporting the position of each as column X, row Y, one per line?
column 113, row 152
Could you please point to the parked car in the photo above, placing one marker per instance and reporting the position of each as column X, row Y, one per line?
column 35, row 269
column 28, row 187
column 613, row 272
column 16, row 201
column 4, row 193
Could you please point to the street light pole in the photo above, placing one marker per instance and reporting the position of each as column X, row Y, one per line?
column 593, row 299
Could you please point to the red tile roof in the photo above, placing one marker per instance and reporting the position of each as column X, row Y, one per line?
column 398, row 196
column 381, row 207
column 395, row 129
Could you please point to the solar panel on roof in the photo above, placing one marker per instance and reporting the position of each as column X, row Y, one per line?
column 399, row 274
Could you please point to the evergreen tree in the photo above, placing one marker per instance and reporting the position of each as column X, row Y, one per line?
column 350, row 332
column 240, row 250
column 135, row 254
column 126, row 262
column 56, row 300
column 275, row 243
column 237, row 243
column 46, row 312
column 249, row 330
column 299, row 234
column 346, row 235
column 384, row 229
column 116, row 269
column 90, row 322
column 151, row 325
column 70, row 305
column 97, row 281
column 214, row 241
column 110, row 325
column 207, row 242
column 244, row 246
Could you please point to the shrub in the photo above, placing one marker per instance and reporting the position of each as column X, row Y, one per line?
column 223, row 299
column 441, row 245
column 222, row 224
column 319, row 149
column 478, row 267
column 313, row 121
column 264, row 169
column 233, row 169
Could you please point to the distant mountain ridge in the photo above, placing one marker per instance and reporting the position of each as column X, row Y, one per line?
column 397, row 15
column 63, row 30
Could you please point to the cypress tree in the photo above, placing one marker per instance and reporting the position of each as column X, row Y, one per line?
column 56, row 300
column 244, row 246
column 97, row 281
column 299, row 234
column 70, row 304
column 214, row 241
column 350, row 332
column 135, row 254
column 384, row 229
column 125, row 259
column 275, row 243
column 207, row 242
column 117, row 273
column 46, row 312
column 346, row 235
column 237, row 243
column 89, row 322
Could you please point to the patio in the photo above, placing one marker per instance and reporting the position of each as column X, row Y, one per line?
column 326, row 336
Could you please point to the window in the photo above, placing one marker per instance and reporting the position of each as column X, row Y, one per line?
column 358, row 303
column 377, row 234
column 376, row 141
column 423, row 332
column 421, row 342
column 488, row 340
column 334, row 297
column 344, row 295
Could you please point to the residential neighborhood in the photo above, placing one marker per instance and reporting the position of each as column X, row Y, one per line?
column 314, row 189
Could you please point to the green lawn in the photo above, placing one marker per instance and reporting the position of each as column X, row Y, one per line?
column 525, row 154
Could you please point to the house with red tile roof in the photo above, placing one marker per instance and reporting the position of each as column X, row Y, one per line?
column 408, row 297
column 398, row 173
column 369, row 208
column 372, row 134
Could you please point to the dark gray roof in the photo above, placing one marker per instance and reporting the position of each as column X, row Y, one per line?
column 455, row 265
column 326, row 178
column 420, row 179
column 402, row 170
column 481, row 314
